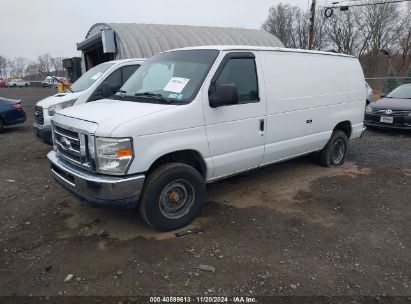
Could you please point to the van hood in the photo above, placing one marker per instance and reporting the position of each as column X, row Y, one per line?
column 58, row 98
column 109, row 113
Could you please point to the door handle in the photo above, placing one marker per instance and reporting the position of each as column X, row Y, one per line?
column 261, row 125
column 309, row 121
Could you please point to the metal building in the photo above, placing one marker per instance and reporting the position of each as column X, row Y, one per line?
column 108, row 41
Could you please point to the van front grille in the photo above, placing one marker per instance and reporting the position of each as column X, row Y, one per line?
column 71, row 145
column 391, row 113
column 38, row 115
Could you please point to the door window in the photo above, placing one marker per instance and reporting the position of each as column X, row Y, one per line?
column 242, row 73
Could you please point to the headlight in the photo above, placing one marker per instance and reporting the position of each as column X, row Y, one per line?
column 114, row 155
column 53, row 109
column 368, row 109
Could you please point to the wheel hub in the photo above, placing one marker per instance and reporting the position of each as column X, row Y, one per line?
column 176, row 199
column 338, row 151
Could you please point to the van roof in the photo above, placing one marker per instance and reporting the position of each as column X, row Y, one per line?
column 260, row 48
column 126, row 60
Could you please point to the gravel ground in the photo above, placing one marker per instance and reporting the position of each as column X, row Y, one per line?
column 289, row 229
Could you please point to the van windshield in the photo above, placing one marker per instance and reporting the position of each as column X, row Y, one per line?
column 90, row 77
column 172, row 77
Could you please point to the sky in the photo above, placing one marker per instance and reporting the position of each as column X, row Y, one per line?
column 33, row 27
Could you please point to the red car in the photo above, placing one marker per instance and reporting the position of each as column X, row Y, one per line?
column 3, row 83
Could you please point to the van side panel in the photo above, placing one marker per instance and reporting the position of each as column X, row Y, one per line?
column 307, row 96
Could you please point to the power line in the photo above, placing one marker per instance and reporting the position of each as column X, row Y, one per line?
column 364, row 4
column 329, row 10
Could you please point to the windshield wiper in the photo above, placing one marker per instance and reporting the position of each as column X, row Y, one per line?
column 122, row 93
column 154, row 95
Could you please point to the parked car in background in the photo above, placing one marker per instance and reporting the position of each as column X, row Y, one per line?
column 3, row 83
column 99, row 82
column 11, row 112
column 14, row 83
column 196, row 115
column 391, row 111
column 50, row 82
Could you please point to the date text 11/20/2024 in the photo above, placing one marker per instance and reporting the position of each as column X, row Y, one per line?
column 203, row 299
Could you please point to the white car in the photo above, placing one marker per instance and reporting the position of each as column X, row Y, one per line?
column 14, row 83
column 196, row 115
column 99, row 82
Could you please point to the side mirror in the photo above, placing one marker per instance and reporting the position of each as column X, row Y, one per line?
column 223, row 95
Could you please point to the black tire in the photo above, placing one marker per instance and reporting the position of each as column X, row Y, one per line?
column 1, row 125
column 26, row 85
column 14, row 85
column 167, row 187
column 333, row 154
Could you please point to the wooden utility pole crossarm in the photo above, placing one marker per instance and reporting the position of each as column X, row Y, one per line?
column 311, row 30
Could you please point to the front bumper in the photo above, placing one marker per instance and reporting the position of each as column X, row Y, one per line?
column 43, row 132
column 399, row 122
column 385, row 125
column 97, row 189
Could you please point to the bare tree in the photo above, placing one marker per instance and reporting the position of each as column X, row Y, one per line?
column 403, row 35
column 289, row 24
column 20, row 64
column 44, row 63
column 321, row 37
column 379, row 27
column 33, row 70
column 344, row 32
column 3, row 67
column 57, row 63
column 11, row 68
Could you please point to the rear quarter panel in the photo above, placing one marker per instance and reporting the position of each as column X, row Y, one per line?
column 300, row 87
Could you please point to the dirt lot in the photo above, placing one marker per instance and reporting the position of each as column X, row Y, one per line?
column 288, row 229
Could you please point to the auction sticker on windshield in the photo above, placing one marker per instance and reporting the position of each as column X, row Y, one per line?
column 176, row 84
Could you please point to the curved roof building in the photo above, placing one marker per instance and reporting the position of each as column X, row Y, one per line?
column 108, row 41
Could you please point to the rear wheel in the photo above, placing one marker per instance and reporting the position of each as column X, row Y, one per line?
column 26, row 85
column 334, row 152
column 1, row 125
column 172, row 196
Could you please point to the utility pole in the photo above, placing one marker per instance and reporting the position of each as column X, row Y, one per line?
column 311, row 30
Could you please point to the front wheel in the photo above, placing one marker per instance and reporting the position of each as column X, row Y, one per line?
column 1, row 125
column 172, row 196
column 333, row 154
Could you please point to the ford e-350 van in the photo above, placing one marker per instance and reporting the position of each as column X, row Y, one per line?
column 99, row 82
column 192, row 116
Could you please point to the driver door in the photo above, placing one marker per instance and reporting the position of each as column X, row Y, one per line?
column 236, row 133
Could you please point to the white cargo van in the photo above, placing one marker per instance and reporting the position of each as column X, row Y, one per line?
column 99, row 82
column 192, row 116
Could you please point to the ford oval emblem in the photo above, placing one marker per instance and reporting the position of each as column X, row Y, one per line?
column 65, row 143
